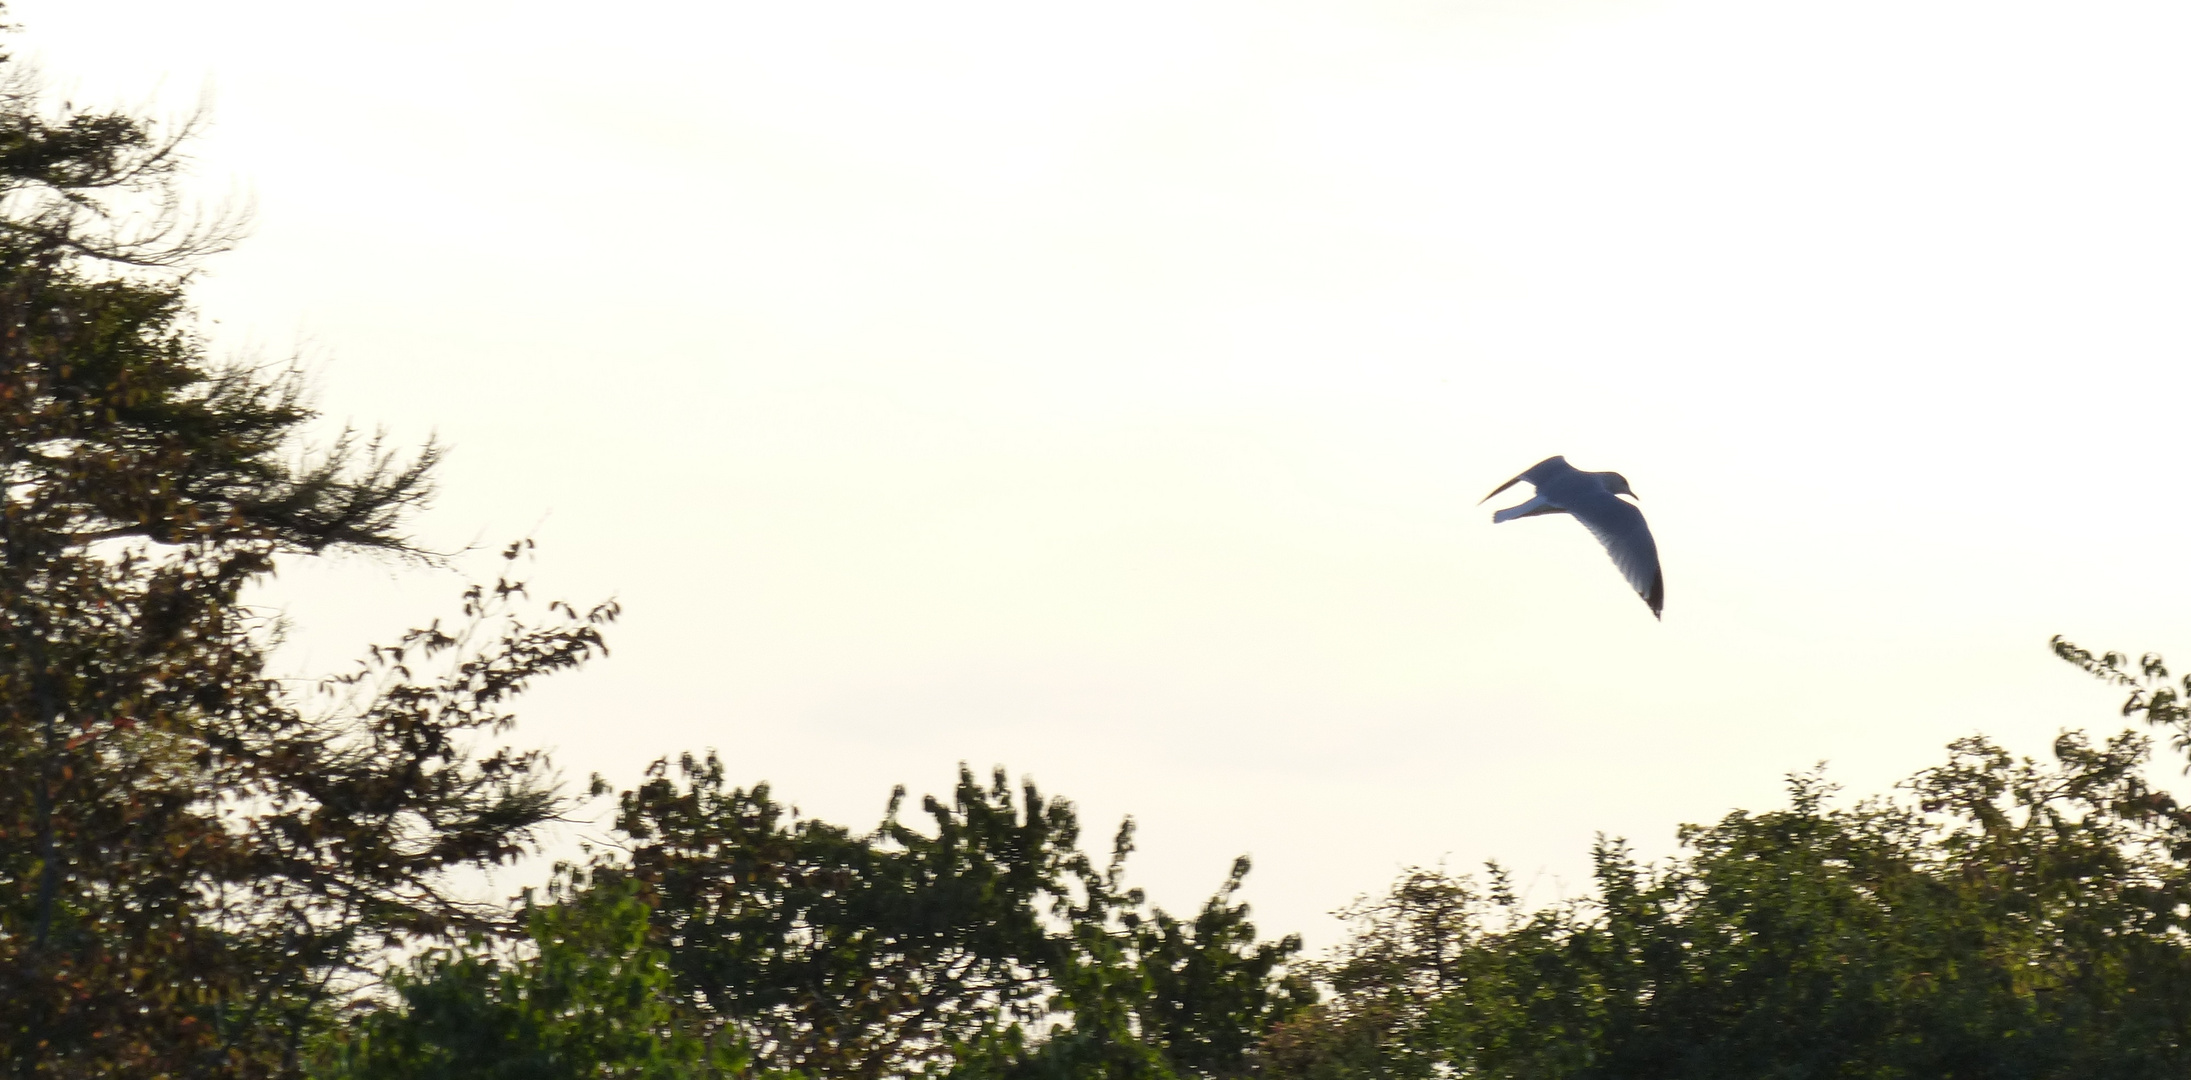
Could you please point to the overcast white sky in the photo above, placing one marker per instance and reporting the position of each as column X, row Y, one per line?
column 1104, row 391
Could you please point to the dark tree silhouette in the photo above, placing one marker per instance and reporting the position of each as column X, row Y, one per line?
column 191, row 857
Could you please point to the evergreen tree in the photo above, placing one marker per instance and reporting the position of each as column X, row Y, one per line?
column 191, row 859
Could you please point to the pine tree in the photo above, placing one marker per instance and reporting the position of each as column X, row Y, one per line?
column 192, row 859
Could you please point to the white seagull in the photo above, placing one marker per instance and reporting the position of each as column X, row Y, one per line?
column 1592, row 497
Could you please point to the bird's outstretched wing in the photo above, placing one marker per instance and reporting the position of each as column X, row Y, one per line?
column 1535, row 474
column 1627, row 538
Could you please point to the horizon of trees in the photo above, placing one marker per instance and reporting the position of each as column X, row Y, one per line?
column 207, row 873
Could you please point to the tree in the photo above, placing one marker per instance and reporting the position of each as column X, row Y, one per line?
column 1407, row 953
column 1212, row 988
column 191, row 858
column 2002, row 918
column 593, row 1000
column 986, row 944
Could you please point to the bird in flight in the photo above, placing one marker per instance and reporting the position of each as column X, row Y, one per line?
column 1593, row 499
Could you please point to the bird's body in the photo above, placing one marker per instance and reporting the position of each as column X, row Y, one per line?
column 1593, row 498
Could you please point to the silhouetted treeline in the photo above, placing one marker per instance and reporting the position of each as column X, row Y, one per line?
column 1995, row 917
column 205, row 872
column 982, row 943
column 1999, row 918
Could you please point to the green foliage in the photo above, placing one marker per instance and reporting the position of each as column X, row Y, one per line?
column 840, row 954
column 2003, row 919
column 192, row 859
column 592, row 1001
column 1211, row 988
column 987, row 944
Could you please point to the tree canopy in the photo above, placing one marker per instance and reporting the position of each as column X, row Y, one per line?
column 208, row 872
column 1996, row 917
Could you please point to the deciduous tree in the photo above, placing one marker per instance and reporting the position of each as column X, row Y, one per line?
column 982, row 943
column 2001, row 918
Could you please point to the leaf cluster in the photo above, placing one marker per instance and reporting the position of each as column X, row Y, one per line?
column 2000, row 918
column 591, row 999
column 986, row 943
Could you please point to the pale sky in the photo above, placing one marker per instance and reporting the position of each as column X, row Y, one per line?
column 1105, row 392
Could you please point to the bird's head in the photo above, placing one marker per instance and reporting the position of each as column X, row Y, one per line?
column 1618, row 485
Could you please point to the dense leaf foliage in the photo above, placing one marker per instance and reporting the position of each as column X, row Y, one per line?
column 985, row 944
column 590, row 999
column 2001, row 918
